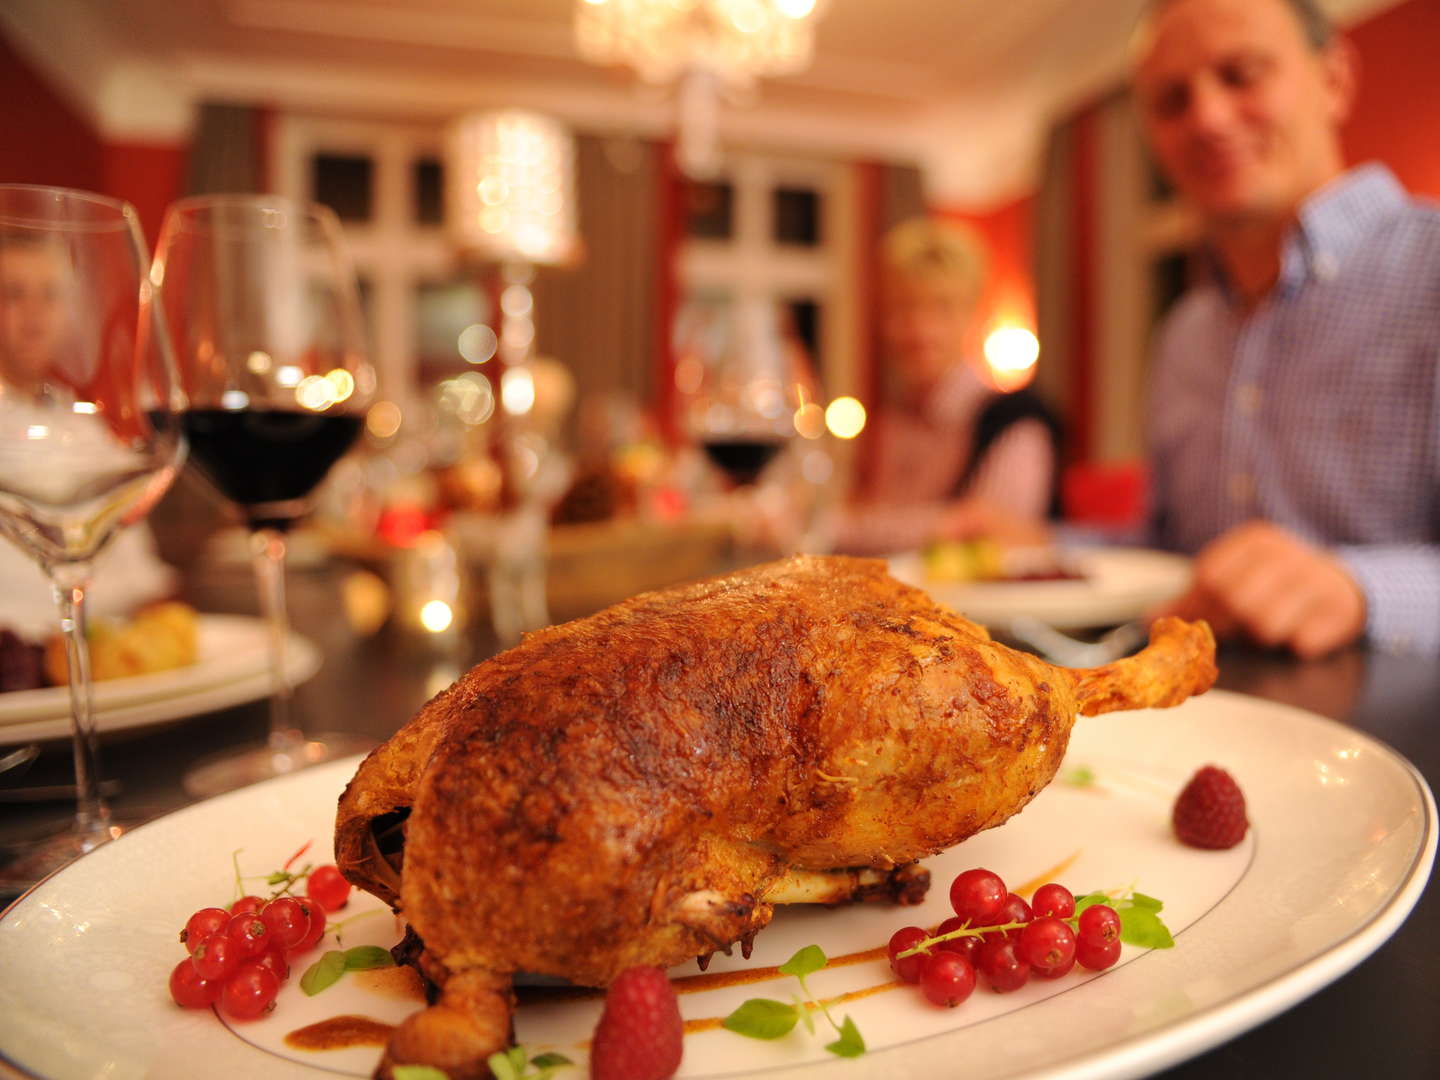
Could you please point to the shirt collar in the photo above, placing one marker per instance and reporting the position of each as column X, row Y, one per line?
column 1330, row 224
column 1334, row 220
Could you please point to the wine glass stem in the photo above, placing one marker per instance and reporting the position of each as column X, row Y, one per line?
column 268, row 552
column 92, row 816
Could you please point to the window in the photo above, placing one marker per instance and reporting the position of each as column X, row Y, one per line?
column 796, row 218
column 429, row 187
column 345, row 184
column 709, row 210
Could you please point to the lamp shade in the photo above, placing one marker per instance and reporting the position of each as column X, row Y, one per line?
column 511, row 186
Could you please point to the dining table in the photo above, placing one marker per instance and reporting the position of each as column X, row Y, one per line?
column 1380, row 1019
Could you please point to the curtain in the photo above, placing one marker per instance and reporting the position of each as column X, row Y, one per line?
column 599, row 317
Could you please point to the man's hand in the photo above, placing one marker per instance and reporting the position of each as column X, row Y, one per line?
column 1263, row 581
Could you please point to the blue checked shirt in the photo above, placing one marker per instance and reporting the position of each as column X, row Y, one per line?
column 1319, row 410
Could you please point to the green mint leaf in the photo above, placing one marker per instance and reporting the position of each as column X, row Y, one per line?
column 807, row 961
column 1082, row 776
column 1090, row 900
column 1140, row 926
column 417, row 1072
column 761, row 1018
column 279, row 877
column 323, row 972
column 806, row 1014
column 1148, row 903
column 850, row 1044
column 365, row 957
column 547, row 1065
column 501, row 1066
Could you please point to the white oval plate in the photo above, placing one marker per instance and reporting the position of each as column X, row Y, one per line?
column 232, row 666
column 1344, row 829
column 1119, row 584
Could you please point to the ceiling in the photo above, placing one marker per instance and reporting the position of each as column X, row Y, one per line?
column 963, row 87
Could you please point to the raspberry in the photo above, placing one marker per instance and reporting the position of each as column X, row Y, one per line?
column 1210, row 811
column 640, row 1032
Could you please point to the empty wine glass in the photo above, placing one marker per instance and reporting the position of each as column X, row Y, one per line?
column 89, row 437
column 264, row 311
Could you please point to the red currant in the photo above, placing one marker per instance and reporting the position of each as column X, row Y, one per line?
column 246, row 905
column 1097, row 956
column 250, row 992
column 189, row 990
column 964, row 946
column 979, row 895
column 1053, row 900
column 287, row 920
column 216, row 957
column 1015, row 910
column 948, row 979
column 275, row 960
column 1099, row 924
column 910, row 968
column 249, row 934
column 316, row 914
column 1003, row 969
column 327, row 887
column 206, row 921
column 1047, row 943
column 1056, row 972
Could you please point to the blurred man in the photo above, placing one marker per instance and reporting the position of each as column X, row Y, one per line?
column 1295, row 411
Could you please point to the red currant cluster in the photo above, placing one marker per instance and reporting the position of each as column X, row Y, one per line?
column 238, row 958
column 996, row 934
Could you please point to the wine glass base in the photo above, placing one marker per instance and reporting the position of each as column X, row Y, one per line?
column 239, row 768
column 28, row 862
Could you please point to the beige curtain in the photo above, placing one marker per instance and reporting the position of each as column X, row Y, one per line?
column 598, row 318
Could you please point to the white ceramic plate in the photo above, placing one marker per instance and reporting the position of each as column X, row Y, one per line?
column 1344, row 830
column 232, row 666
column 1119, row 584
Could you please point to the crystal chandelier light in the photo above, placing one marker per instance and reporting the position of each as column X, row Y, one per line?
column 708, row 46
column 511, row 176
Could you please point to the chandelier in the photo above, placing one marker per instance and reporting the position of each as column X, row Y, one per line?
column 708, row 47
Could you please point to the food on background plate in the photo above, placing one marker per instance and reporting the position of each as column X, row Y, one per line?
column 22, row 663
column 158, row 638
column 644, row 785
column 964, row 561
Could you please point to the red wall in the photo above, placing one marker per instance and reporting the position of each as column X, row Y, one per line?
column 1397, row 111
column 1010, row 294
column 49, row 141
column 149, row 176
column 46, row 141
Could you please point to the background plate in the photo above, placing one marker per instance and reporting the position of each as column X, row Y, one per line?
column 232, row 666
column 1120, row 584
column 1343, row 841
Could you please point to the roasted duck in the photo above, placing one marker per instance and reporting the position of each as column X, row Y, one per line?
column 644, row 785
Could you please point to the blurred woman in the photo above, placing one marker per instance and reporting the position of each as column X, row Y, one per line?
column 953, row 457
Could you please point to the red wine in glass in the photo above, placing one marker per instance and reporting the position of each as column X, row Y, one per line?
column 742, row 457
column 267, row 460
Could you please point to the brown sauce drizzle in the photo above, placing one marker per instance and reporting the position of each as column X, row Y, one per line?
column 1047, row 876
column 340, row 1032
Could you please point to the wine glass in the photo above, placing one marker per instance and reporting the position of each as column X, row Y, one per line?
column 756, row 394
column 264, row 311
column 89, row 435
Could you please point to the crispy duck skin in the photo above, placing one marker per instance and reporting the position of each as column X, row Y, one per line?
column 640, row 786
